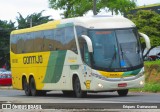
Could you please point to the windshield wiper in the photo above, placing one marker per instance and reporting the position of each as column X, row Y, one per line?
column 126, row 58
column 114, row 57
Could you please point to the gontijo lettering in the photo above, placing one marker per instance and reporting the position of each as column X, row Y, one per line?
column 33, row 59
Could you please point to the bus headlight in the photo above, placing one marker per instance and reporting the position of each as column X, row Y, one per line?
column 141, row 82
column 100, row 85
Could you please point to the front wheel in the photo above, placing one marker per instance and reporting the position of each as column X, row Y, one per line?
column 77, row 89
column 122, row 92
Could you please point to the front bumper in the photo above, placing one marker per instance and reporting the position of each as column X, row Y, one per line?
column 104, row 85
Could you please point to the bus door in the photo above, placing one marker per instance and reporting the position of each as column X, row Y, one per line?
column 86, row 67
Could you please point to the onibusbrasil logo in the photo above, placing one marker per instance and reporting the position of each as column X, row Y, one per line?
column 21, row 106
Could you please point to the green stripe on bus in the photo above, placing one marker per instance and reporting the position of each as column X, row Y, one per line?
column 130, row 73
column 55, row 67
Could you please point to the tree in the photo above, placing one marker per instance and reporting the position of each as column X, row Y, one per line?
column 5, row 30
column 73, row 8
column 120, row 6
column 148, row 22
column 32, row 20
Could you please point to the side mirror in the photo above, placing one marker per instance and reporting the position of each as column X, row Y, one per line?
column 89, row 43
column 147, row 40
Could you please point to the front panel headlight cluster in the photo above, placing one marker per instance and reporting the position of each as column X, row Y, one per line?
column 99, row 76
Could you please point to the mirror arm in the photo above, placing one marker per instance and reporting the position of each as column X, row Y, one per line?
column 89, row 42
column 147, row 40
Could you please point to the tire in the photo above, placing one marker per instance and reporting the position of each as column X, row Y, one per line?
column 68, row 93
column 41, row 93
column 77, row 89
column 122, row 92
column 26, row 87
column 33, row 87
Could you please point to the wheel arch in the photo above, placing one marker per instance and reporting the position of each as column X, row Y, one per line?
column 23, row 78
column 31, row 76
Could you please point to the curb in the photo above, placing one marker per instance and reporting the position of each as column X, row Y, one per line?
column 6, row 87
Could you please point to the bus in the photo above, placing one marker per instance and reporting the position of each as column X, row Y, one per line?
column 78, row 56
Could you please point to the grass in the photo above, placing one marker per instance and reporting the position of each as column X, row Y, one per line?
column 149, row 87
column 152, row 77
column 149, row 63
column 152, row 87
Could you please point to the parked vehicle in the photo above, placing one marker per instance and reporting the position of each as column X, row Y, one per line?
column 5, row 77
column 153, row 55
column 152, row 58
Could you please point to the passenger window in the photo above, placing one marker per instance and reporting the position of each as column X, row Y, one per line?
column 20, row 44
column 38, row 42
column 70, row 42
column 59, row 38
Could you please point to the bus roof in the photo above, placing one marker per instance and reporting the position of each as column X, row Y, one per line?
column 94, row 22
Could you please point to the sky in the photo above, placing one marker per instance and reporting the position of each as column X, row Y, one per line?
column 9, row 8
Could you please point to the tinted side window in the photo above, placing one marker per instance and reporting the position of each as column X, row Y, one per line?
column 49, row 41
column 81, row 31
column 20, row 43
column 29, row 43
column 60, row 38
column 13, row 40
column 38, row 41
column 70, row 42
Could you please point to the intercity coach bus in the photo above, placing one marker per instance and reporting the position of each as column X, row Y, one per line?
column 77, row 56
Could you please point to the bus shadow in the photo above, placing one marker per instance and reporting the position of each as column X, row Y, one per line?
column 90, row 96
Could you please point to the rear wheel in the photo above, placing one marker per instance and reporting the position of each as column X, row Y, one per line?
column 26, row 87
column 33, row 90
column 122, row 92
column 77, row 89
column 33, row 87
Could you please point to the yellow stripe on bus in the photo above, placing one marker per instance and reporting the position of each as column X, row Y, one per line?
column 111, row 74
column 45, row 26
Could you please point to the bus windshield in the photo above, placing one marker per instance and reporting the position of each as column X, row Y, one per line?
column 116, row 49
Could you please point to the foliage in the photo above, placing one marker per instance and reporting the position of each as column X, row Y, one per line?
column 152, row 77
column 148, row 22
column 5, row 29
column 32, row 20
column 149, row 63
column 71, row 8
column 122, row 6
column 74, row 8
column 148, row 87
column 153, row 87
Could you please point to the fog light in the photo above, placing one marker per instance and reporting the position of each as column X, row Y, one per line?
column 100, row 85
column 141, row 83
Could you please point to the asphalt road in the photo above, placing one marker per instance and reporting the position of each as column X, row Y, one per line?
column 18, row 96
column 93, row 100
